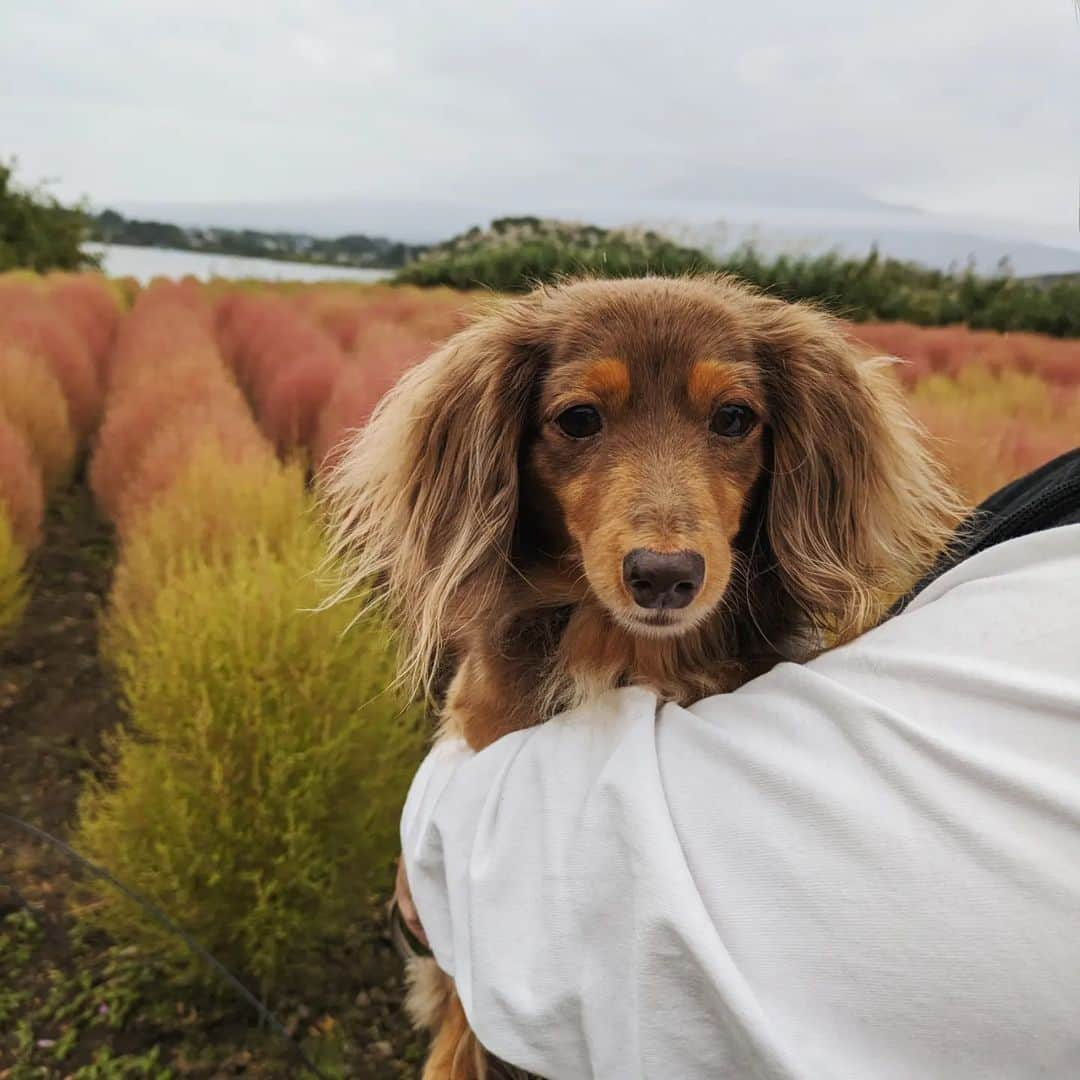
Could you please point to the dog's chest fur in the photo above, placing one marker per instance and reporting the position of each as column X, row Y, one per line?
column 522, row 670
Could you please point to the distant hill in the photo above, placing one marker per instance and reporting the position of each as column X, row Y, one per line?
column 719, row 225
column 512, row 232
column 515, row 253
column 374, row 252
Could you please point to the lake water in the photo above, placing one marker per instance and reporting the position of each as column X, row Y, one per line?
column 145, row 263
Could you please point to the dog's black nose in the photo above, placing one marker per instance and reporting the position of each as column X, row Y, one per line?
column 662, row 580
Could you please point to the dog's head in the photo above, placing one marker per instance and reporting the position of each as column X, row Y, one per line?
column 653, row 437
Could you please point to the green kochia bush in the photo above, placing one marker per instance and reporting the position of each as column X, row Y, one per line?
column 257, row 791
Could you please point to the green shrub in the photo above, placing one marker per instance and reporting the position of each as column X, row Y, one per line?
column 12, row 580
column 212, row 512
column 880, row 288
column 256, row 794
column 517, row 253
column 37, row 232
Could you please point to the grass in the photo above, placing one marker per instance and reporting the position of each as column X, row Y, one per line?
column 110, row 1013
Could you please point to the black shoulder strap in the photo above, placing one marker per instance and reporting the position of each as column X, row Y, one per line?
column 1043, row 499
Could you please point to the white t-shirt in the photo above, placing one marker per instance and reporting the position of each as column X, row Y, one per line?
column 864, row 867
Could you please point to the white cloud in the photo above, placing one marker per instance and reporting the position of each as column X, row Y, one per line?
column 951, row 105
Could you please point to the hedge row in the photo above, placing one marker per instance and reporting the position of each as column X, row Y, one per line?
column 315, row 362
column 254, row 793
column 998, row 405
column 53, row 333
column 862, row 289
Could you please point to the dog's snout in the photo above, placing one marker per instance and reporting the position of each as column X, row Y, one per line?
column 663, row 580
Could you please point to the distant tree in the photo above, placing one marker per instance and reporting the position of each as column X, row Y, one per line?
column 36, row 231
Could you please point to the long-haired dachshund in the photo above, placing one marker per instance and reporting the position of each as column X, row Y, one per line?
column 671, row 482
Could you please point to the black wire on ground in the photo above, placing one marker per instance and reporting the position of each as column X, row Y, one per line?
column 265, row 1015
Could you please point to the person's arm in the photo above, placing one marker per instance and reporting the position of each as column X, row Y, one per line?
column 868, row 866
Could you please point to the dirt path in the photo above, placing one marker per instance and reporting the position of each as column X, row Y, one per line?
column 56, row 700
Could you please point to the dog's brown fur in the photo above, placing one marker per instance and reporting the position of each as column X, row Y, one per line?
column 496, row 541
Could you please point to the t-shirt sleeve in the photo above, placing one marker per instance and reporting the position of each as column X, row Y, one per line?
column 868, row 865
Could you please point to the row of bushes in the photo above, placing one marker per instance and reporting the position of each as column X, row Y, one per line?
column 880, row 288
column 168, row 395
column 517, row 254
column 998, row 405
column 383, row 332
column 949, row 350
column 359, row 317
column 286, row 363
column 990, row 429
column 254, row 792
column 53, row 335
column 314, row 364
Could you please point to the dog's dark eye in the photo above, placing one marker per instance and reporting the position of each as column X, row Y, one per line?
column 733, row 421
column 580, row 421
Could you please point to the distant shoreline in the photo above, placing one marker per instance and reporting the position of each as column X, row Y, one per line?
column 145, row 262
column 352, row 250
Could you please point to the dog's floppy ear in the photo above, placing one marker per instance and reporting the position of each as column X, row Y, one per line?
column 857, row 510
column 424, row 502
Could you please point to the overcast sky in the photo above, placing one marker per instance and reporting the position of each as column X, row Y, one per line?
column 955, row 106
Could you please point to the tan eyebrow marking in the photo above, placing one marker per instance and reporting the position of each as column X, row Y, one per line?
column 710, row 380
column 609, row 378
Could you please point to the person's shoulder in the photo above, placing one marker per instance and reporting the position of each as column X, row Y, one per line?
column 1051, row 554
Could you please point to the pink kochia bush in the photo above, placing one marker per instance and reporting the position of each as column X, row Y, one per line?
column 355, row 395
column 90, row 306
column 34, row 323
column 170, row 397
column 347, row 312
column 402, row 328
column 391, row 346
column 294, row 397
column 198, row 429
column 286, row 362
column 187, row 399
column 314, row 363
column 948, row 350
column 167, row 321
column 32, row 401
column 383, row 354
column 22, row 495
